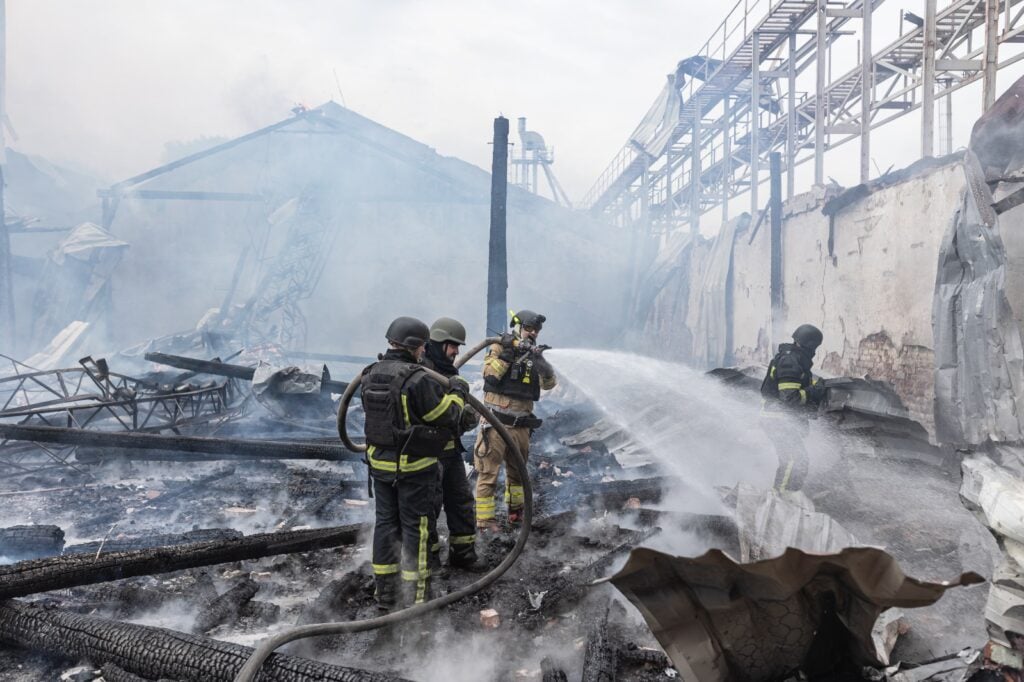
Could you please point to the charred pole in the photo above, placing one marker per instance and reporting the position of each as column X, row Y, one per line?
column 231, row 447
column 497, row 261
column 224, row 369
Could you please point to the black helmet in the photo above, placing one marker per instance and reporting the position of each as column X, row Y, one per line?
column 528, row 318
column 808, row 336
column 408, row 332
column 447, row 330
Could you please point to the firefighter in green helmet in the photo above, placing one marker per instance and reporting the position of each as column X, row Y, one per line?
column 447, row 335
column 789, row 393
column 515, row 372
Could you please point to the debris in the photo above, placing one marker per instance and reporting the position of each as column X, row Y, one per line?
column 996, row 497
column 887, row 629
column 71, row 570
column 152, row 652
column 632, row 503
column 239, row 511
column 600, row 659
column 719, row 620
column 489, row 619
column 226, row 607
column 82, row 673
column 550, row 672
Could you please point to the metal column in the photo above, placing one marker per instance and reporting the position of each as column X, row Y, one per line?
column 7, row 336
column 991, row 52
column 791, row 120
column 727, row 155
column 819, row 96
column 775, row 268
column 755, row 116
column 928, row 82
column 866, row 94
column 695, row 188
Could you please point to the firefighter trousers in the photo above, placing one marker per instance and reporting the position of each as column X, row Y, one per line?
column 489, row 453
column 405, row 521
column 787, row 437
column 456, row 499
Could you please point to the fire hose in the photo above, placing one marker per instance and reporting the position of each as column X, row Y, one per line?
column 266, row 647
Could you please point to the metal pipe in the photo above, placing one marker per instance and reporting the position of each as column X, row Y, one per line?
column 928, row 81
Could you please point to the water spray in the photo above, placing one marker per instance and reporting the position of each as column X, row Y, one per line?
column 265, row 648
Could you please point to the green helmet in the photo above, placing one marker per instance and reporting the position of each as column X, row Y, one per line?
column 528, row 318
column 446, row 329
column 408, row 332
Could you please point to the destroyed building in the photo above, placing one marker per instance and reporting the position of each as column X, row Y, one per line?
column 185, row 477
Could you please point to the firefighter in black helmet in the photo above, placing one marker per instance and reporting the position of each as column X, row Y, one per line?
column 409, row 420
column 789, row 392
column 515, row 372
column 456, row 498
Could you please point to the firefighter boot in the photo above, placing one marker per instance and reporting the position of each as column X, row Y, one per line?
column 463, row 557
column 386, row 592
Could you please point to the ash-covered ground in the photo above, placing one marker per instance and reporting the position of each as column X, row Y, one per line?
column 599, row 492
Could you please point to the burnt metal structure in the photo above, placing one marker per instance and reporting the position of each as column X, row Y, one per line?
column 93, row 397
column 737, row 100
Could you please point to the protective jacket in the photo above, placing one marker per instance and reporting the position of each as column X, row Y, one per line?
column 789, row 381
column 435, row 359
column 409, row 417
column 513, row 378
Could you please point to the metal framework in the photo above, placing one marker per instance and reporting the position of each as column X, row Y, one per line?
column 91, row 397
column 740, row 102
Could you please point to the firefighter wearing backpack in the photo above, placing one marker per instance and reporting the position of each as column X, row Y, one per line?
column 789, row 393
column 410, row 418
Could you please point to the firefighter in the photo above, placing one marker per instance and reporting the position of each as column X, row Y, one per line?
column 456, row 498
column 789, row 393
column 409, row 420
column 515, row 372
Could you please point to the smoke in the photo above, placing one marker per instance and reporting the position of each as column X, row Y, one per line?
column 700, row 431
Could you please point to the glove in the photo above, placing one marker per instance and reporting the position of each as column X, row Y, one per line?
column 542, row 364
column 459, row 386
column 469, row 420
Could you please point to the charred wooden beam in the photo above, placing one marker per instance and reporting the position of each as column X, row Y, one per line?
column 600, row 660
column 635, row 655
column 152, row 652
column 147, row 541
column 226, row 607
column 224, row 369
column 73, row 570
column 30, row 542
column 615, row 494
column 232, row 447
column 335, row 596
column 193, row 487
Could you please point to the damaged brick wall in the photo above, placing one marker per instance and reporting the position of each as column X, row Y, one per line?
column 908, row 368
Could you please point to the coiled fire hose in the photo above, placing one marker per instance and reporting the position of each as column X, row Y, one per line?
column 265, row 648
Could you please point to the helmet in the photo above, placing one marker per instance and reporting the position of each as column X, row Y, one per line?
column 528, row 318
column 445, row 329
column 808, row 336
column 408, row 332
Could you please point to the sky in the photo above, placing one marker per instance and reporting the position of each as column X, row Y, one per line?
column 103, row 86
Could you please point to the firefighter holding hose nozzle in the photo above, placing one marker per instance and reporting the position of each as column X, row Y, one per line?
column 515, row 371
column 789, row 392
